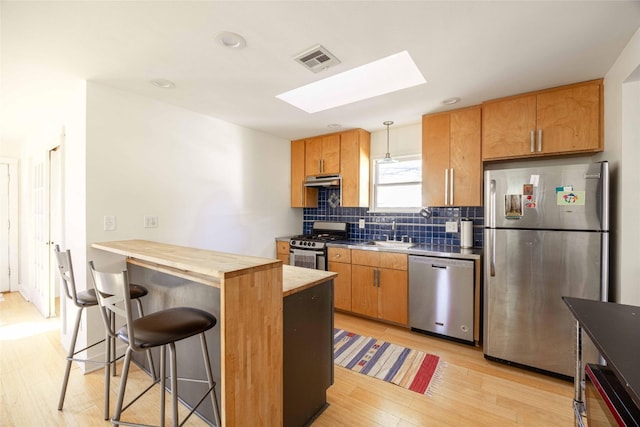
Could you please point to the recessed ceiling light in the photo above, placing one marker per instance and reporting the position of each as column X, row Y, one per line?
column 334, row 125
column 451, row 101
column 390, row 74
column 163, row 83
column 231, row 40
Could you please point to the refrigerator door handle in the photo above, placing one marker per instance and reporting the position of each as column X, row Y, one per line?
column 492, row 253
column 492, row 204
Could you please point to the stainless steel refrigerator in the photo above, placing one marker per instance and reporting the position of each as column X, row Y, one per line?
column 546, row 236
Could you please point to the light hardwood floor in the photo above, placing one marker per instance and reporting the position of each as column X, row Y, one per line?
column 471, row 391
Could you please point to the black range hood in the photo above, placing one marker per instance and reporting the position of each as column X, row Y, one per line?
column 323, row 181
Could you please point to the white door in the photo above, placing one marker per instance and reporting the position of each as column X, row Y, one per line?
column 45, row 184
column 5, row 282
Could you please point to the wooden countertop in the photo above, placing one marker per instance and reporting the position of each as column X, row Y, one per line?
column 207, row 267
column 202, row 261
column 296, row 279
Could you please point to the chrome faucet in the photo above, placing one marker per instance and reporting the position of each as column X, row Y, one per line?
column 393, row 228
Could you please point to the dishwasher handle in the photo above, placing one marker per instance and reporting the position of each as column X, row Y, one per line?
column 440, row 267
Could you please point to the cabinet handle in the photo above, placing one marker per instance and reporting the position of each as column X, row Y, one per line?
column 320, row 165
column 533, row 142
column 378, row 280
column 446, row 186
column 451, row 195
column 539, row 140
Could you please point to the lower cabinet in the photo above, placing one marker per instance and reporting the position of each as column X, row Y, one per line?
column 340, row 262
column 379, row 286
column 282, row 251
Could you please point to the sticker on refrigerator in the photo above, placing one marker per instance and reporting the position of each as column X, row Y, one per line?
column 513, row 206
column 528, row 196
column 534, row 180
column 570, row 198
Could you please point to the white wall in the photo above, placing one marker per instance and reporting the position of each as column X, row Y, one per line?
column 403, row 140
column 622, row 109
column 212, row 184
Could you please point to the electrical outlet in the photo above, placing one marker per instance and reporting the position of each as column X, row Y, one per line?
column 361, row 223
column 150, row 221
column 109, row 223
column 451, row 227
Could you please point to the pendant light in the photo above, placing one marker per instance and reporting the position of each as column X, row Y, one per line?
column 387, row 156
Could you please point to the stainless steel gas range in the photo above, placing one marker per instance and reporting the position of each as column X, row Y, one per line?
column 310, row 250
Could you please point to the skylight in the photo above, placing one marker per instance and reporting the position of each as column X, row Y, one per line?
column 386, row 75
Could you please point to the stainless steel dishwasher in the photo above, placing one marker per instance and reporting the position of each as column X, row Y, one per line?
column 441, row 296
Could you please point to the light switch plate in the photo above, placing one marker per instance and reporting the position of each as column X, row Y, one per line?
column 109, row 222
column 451, row 227
column 361, row 223
column 150, row 221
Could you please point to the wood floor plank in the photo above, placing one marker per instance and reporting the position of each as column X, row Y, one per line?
column 470, row 391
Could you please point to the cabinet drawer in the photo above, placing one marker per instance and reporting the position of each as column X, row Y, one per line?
column 339, row 255
column 369, row 258
column 393, row 260
column 282, row 247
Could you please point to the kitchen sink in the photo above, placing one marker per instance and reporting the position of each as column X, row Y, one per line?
column 390, row 244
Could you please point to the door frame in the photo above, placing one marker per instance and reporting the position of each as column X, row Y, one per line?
column 14, row 249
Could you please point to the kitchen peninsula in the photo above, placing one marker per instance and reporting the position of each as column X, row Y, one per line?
column 261, row 307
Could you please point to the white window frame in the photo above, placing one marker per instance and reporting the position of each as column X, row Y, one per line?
column 374, row 178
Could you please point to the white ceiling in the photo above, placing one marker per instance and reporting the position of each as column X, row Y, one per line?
column 474, row 50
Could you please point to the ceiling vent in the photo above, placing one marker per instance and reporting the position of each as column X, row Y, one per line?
column 317, row 59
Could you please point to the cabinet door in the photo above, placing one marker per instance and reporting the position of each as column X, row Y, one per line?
column 313, row 156
column 341, row 285
column 570, row 119
column 301, row 196
column 506, row 127
column 331, row 154
column 393, row 296
column 354, row 168
column 435, row 158
column 364, row 295
column 465, row 157
column 297, row 173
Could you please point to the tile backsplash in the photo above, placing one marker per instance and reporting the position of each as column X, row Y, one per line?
column 378, row 225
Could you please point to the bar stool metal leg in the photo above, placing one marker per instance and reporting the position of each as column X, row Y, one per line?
column 70, row 354
column 210, row 381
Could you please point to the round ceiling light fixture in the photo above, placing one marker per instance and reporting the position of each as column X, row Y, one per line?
column 231, row 40
column 451, row 101
column 334, row 125
column 163, row 83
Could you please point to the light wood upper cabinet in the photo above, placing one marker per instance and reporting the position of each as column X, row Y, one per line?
column 451, row 158
column 379, row 285
column 322, row 155
column 301, row 196
column 345, row 153
column 555, row 121
column 355, row 147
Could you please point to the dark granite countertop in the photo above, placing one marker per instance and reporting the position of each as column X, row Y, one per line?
column 615, row 331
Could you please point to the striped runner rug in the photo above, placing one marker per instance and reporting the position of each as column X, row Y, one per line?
column 405, row 367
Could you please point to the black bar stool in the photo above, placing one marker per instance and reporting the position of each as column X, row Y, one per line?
column 82, row 300
column 160, row 329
